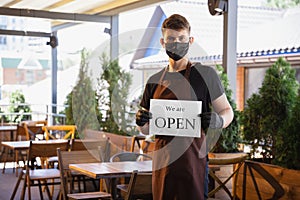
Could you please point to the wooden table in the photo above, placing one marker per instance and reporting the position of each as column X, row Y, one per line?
column 111, row 170
column 14, row 146
column 18, row 146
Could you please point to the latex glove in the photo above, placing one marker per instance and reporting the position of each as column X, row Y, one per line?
column 211, row 120
column 142, row 117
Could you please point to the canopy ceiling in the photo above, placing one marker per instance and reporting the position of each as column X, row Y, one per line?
column 71, row 10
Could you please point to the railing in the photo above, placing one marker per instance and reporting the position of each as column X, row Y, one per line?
column 37, row 112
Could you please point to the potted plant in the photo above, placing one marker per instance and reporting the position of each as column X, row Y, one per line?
column 270, row 121
column 224, row 145
column 230, row 137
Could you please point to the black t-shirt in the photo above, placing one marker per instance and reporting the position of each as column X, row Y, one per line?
column 204, row 81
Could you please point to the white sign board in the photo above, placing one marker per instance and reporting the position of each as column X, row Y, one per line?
column 175, row 118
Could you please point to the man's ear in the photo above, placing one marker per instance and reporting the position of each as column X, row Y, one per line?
column 191, row 40
column 162, row 42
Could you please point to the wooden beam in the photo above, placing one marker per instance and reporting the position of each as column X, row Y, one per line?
column 74, row 17
column 9, row 4
column 24, row 33
column 57, row 4
column 118, row 6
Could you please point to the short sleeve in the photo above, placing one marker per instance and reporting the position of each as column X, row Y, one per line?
column 215, row 87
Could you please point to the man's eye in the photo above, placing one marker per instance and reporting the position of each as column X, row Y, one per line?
column 183, row 39
column 170, row 38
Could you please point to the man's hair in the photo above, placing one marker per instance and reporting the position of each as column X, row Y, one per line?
column 176, row 22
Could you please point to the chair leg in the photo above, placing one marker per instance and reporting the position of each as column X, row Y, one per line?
column 29, row 188
column 84, row 183
column 17, row 185
column 40, row 190
column 48, row 191
column 24, row 188
column 5, row 152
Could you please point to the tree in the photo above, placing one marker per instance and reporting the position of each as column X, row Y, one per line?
column 3, row 118
column 283, row 3
column 288, row 154
column 114, row 84
column 17, row 105
column 267, row 112
column 230, row 137
column 82, row 108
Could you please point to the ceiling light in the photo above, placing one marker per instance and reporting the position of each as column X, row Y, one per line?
column 217, row 7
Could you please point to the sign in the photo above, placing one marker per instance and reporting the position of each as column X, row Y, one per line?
column 175, row 118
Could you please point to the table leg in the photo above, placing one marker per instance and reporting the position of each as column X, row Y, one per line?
column 113, row 189
column 11, row 135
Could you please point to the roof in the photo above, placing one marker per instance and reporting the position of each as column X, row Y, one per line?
column 261, row 32
column 25, row 61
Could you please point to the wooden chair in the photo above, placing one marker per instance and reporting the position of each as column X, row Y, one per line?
column 21, row 135
column 94, row 146
column 69, row 131
column 99, row 148
column 26, row 130
column 148, row 147
column 39, row 176
column 72, row 157
column 33, row 129
column 139, row 187
column 127, row 156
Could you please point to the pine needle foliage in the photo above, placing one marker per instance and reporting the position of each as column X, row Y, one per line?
column 230, row 138
column 82, row 108
column 268, row 112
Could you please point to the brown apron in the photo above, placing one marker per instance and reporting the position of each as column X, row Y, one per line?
column 179, row 169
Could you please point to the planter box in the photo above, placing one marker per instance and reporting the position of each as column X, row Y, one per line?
column 271, row 182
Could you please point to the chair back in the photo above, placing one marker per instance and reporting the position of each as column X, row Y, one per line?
column 45, row 149
column 65, row 158
column 148, row 147
column 33, row 129
column 140, row 186
column 129, row 156
column 97, row 147
column 68, row 131
column 22, row 134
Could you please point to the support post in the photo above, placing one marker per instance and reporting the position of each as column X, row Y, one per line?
column 229, row 44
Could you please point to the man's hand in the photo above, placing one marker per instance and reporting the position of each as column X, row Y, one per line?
column 211, row 120
column 142, row 117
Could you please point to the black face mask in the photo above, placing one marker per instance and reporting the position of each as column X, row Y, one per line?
column 177, row 50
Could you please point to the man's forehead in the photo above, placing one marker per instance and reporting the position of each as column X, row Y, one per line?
column 176, row 32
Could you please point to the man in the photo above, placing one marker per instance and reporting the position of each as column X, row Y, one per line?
column 179, row 163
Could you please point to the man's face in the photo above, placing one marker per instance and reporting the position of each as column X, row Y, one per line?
column 176, row 43
column 171, row 36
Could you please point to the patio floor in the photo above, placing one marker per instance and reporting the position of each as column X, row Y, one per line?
column 8, row 181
